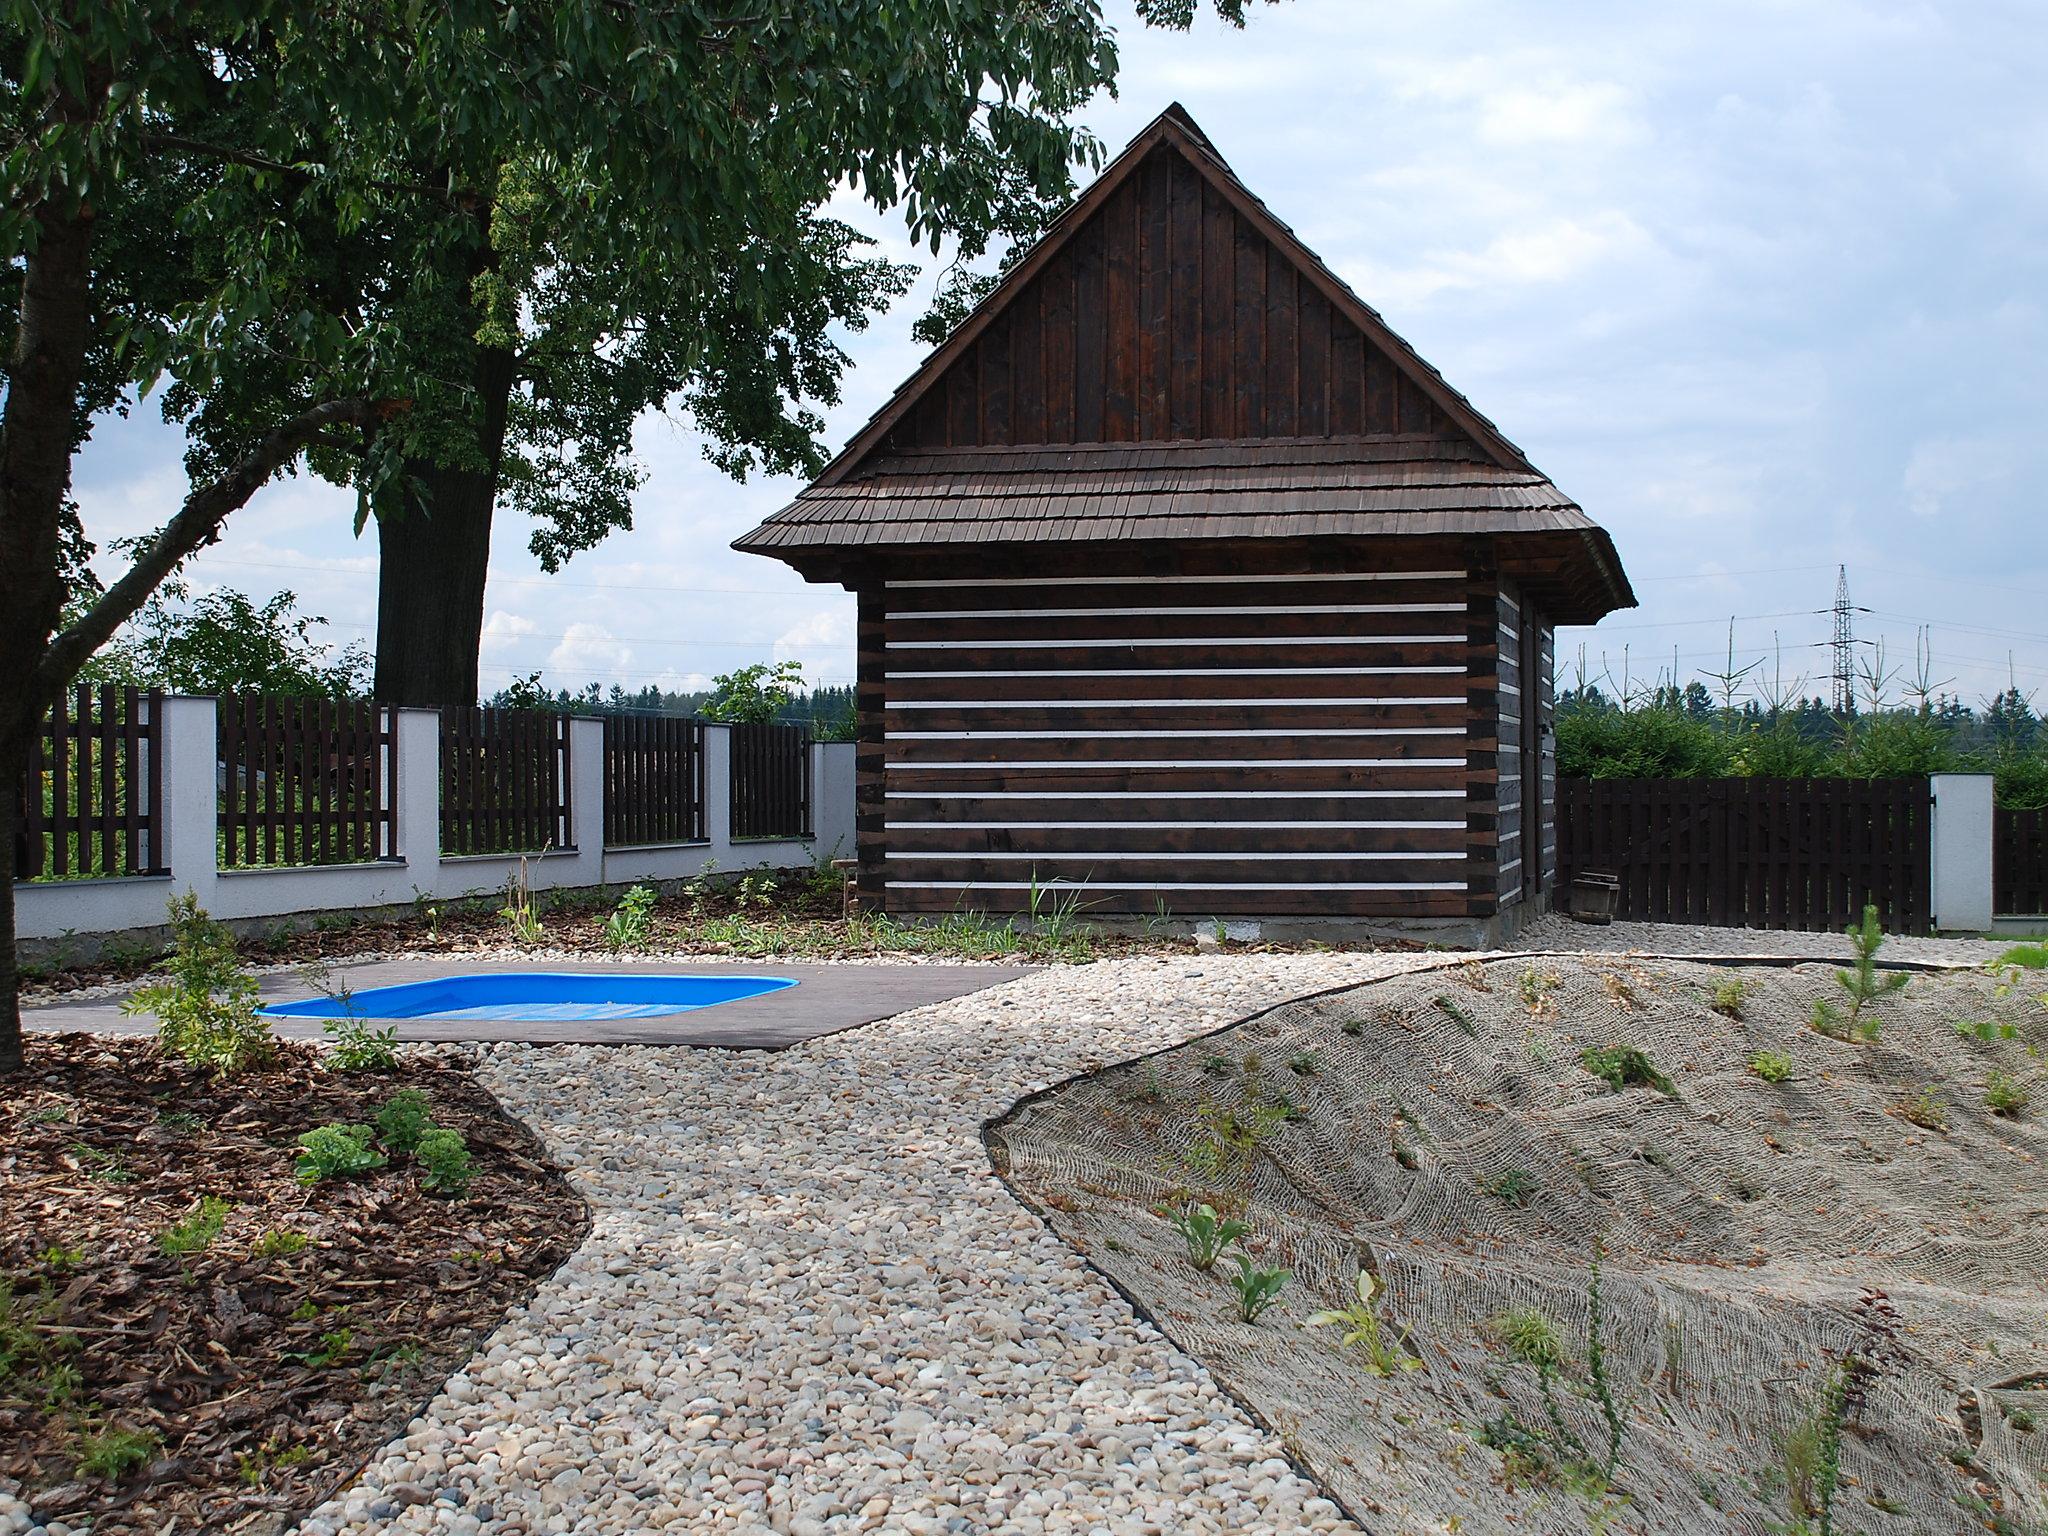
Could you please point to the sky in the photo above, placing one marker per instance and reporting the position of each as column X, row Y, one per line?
column 1759, row 283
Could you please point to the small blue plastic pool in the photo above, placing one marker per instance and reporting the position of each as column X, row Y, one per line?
column 536, row 997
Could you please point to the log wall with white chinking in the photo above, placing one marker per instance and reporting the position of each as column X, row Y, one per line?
column 1279, row 740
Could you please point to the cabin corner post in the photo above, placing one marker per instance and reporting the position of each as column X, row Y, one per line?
column 1482, row 731
column 870, row 764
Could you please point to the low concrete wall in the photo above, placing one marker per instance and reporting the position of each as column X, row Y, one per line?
column 50, row 912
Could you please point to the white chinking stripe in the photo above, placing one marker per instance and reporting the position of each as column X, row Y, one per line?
column 1068, row 672
column 1178, row 794
column 1154, row 856
column 1249, row 699
column 1172, row 826
column 1283, row 578
column 1187, row 642
column 1188, row 735
column 1199, row 763
column 1236, row 610
column 1179, row 885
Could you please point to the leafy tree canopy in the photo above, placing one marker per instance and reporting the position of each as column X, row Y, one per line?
column 223, row 642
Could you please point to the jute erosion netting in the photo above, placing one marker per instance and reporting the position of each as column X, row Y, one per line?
column 1446, row 1134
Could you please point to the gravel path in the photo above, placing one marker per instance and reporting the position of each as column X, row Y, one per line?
column 808, row 1305
column 1556, row 932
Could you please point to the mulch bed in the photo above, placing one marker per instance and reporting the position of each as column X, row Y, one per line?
column 264, row 1381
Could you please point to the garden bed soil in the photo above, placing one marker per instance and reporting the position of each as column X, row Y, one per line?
column 261, row 1379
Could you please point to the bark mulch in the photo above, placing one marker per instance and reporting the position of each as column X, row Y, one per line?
column 258, row 1378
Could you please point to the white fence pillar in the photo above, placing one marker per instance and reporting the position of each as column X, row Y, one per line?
column 718, row 793
column 190, row 813
column 417, row 838
column 832, row 799
column 1960, row 887
column 586, row 804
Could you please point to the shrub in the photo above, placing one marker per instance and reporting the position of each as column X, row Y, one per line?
column 360, row 1047
column 2032, row 955
column 1516, row 1187
column 112, row 1452
column 1625, row 1066
column 627, row 927
column 1729, row 996
column 1256, row 1289
column 1771, row 1066
column 196, row 1233
column 279, row 1242
column 403, row 1120
column 336, row 1152
column 1205, row 1234
column 1304, row 1063
column 2005, row 1094
column 1863, row 984
column 206, row 1013
column 445, row 1158
column 1596, row 742
column 1385, row 1351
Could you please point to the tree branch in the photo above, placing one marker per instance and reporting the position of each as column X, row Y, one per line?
column 456, row 197
column 196, row 523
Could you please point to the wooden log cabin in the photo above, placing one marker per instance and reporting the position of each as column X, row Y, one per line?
column 1186, row 587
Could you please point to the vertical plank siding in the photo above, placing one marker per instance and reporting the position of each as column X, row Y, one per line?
column 1211, row 740
column 504, row 781
column 653, row 780
column 1801, row 854
column 2019, row 862
column 305, row 781
column 89, row 804
column 1169, row 317
column 771, row 781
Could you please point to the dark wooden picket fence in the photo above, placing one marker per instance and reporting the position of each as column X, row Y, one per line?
column 91, row 801
column 1752, row 853
column 306, row 781
column 2019, row 862
column 771, row 781
column 504, row 781
column 653, row 780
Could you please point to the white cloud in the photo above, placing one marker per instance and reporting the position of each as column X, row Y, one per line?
column 823, row 643
column 1940, row 470
column 1559, row 250
column 504, row 630
column 589, row 651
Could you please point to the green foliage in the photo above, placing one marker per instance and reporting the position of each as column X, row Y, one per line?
column 444, row 1158
column 521, row 913
column 1625, row 1066
column 279, row 1243
column 755, row 694
column 1529, row 1336
column 197, row 1232
column 2030, row 956
column 221, row 642
column 1232, row 1135
column 331, row 1349
column 2006, row 1094
column 403, row 1120
column 1205, row 1234
column 358, row 1046
column 627, row 926
column 1451, row 1010
column 1386, row 1351
column 1305, row 1064
column 206, row 1012
column 1516, row 1187
column 336, row 1152
column 1771, row 1066
column 1729, row 996
column 1653, row 743
column 1925, row 1107
column 1536, row 987
column 31, row 1343
column 111, row 1452
column 1986, row 1031
column 1810, row 1456
column 1255, row 1288
column 1864, row 984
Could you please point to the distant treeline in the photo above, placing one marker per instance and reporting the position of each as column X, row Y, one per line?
column 826, row 710
column 1684, row 734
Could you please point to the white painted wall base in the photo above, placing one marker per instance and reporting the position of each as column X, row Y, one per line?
column 55, row 910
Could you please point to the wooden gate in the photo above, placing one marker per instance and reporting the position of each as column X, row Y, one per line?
column 1802, row 854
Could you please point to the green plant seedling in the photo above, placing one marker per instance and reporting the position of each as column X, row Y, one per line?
column 627, row 926
column 1771, row 1066
column 1304, row 1063
column 444, row 1161
column 1205, row 1233
column 404, row 1119
column 2030, row 956
column 1729, row 996
column 1386, row 1352
column 356, row 1046
column 336, row 1152
column 1986, row 1031
column 332, row 1348
column 1516, row 1187
column 2006, row 1094
column 1256, row 1289
column 1924, row 1107
column 1625, row 1066
column 1457, row 1015
column 278, row 1243
column 196, row 1233
column 111, row 1452
column 206, row 1013
column 1863, row 983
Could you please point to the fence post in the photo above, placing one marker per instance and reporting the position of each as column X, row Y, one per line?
column 418, row 809
column 718, row 793
column 586, row 801
column 832, row 799
column 189, row 817
column 1960, row 880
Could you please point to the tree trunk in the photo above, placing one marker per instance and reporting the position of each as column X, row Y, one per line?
column 52, row 331
column 432, row 561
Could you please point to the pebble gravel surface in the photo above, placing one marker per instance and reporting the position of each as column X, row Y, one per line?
column 808, row 1305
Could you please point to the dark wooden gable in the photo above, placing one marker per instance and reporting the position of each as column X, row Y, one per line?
column 1168, row 315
